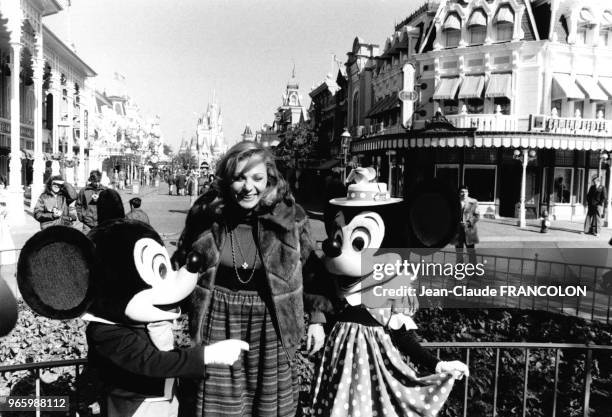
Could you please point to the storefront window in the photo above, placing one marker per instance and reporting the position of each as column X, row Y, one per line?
column 448, row 174
column 562, row 185
column 480, row 180
column 578, row 190
column 601, row 111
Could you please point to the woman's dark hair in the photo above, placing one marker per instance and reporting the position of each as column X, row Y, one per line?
column 277, row 188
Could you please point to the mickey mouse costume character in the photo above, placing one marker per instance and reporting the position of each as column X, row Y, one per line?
column 121, row 275
column 362, row 372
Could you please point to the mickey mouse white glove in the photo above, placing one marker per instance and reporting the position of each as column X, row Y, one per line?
column 457, row 368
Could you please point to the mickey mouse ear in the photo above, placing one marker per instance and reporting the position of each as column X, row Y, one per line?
column 8, row 309
column 433, row 216
column 55, row 272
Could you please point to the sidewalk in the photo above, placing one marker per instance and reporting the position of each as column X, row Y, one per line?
column 504, row 232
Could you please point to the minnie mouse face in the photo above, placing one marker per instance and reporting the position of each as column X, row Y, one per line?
column 348, row 243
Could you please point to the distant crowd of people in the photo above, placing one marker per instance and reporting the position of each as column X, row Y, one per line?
column 188, row 182
column 61, row 204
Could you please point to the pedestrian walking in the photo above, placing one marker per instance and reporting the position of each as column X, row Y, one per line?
column 258, row 256
column 136, row 213
column 53, row 205
column 87, row 201
column 171, row 183
column 181, row 179
column 596, row 202
column 467, row 233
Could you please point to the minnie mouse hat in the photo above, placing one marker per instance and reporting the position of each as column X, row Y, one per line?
column 365, row 192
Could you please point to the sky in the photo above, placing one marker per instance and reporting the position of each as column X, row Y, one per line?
column 174, row 54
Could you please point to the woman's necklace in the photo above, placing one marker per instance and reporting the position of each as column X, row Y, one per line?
column 244, row 265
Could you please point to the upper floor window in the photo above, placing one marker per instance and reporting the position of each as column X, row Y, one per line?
column 452, row 30
column 605, row 28
column 356, row 109
column 504, row 24
column 603, row 37
column 586, row 22
column 477, row 26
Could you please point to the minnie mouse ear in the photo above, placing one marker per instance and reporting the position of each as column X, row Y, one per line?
column 55, row 272
column 432, row 209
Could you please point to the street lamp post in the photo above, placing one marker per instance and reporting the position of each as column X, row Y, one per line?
column 524, row 156
column 345, row 144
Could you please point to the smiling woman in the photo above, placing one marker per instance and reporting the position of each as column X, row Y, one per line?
column 258, row 256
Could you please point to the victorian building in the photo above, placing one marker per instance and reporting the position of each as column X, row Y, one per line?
column 290, row 113
column 327, row 115
column 43, row 102
column 123, row 138
column 511, row 98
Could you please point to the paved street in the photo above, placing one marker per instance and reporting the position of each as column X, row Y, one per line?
column 564, row 243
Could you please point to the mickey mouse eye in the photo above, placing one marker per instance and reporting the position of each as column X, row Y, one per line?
column 163, row 270
column 159, row 266
column 360, row 238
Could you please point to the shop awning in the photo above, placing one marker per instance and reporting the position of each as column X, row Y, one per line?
column 472, row 87
column 447, row 89
column 564, row 86
column 606, row 84
column 591, row 88
column 452, row 22
column 504, row 15
column 382, row 106
column 477, row 19
column 500, row 85
column 27, row 154
column 47, row 156
column 489, row 140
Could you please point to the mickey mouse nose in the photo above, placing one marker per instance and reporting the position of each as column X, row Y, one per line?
column 194, row 262
column 331, row 248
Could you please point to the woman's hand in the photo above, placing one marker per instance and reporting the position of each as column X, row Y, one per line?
column 457, row 368
column 315, row 338
column 225, row 352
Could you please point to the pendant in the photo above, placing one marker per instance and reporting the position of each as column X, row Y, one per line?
column 244, row 265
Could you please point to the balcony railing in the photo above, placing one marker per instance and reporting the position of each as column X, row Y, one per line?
column 481, row 357
column 571, row 125
column 495, row 122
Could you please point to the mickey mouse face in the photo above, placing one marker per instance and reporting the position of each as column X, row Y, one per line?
column 168, row 287
column 346, row 249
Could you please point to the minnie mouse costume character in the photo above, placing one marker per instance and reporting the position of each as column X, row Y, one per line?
column 121, row 275
column 362, row 372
